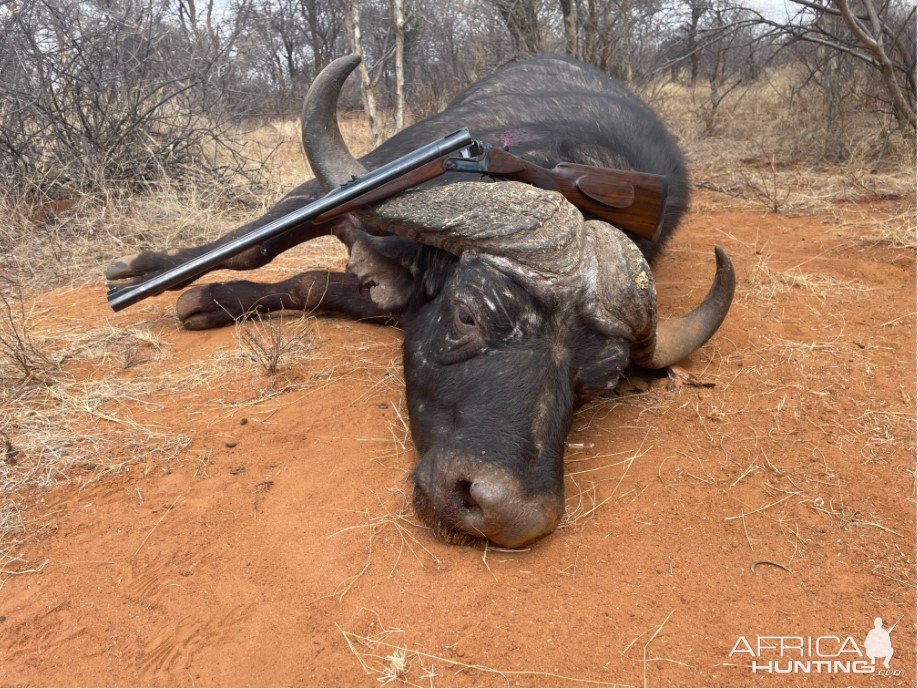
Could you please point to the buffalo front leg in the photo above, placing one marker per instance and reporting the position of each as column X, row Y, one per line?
column 210, row 306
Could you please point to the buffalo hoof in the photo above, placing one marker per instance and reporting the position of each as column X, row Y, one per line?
column 135, row 268
column 209, row 306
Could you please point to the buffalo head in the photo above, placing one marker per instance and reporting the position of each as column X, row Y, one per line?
column 514, row 308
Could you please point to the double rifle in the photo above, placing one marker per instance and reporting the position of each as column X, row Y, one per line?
column 633, row 201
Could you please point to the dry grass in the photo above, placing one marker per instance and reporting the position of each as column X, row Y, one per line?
column 766, row 283
column 70, row 242
column 585, row 501
column 23, row 360
column 391, row 662
column 765, row 148
column 68, row 395
column 271, row 342
column 392, row 519
column 59, row 425
column 893, row 227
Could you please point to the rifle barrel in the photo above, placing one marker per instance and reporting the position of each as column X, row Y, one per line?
column 121, row 298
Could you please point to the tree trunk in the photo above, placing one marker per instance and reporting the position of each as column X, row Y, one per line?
column 396, row 11
column 569, row 13
column 522, row 21
column 320, row 56
column 831, row 83
column 873, row 42
column 352, row 20
column 698, row 9
column 626, row 52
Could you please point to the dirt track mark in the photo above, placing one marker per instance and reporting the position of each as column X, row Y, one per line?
column 175, row 645
column 41, row 633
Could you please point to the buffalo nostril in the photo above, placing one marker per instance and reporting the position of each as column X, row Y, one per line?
column 506, row 516
column 464, row 492
column 482, row 498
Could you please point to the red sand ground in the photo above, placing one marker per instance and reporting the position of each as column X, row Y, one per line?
column 200, row 573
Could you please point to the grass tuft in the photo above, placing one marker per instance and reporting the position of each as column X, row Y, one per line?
column 272, row 342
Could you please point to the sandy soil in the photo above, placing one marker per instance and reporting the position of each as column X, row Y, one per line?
column 780, row 501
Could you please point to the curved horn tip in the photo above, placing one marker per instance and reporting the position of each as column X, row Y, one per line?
column 724, row 265
column 326, row 151
column 347, row 62
column 677, row 338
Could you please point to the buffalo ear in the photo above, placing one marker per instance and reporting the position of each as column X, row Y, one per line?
column 384, row 264
column 400, row 250
column 599, row 363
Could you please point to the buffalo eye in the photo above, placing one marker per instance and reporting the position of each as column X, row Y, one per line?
column 464, row 318
column 466, row 341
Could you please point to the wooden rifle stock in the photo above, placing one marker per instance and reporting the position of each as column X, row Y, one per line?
column 632, row 201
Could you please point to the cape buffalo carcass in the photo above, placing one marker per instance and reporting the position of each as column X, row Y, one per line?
column 515, row 308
